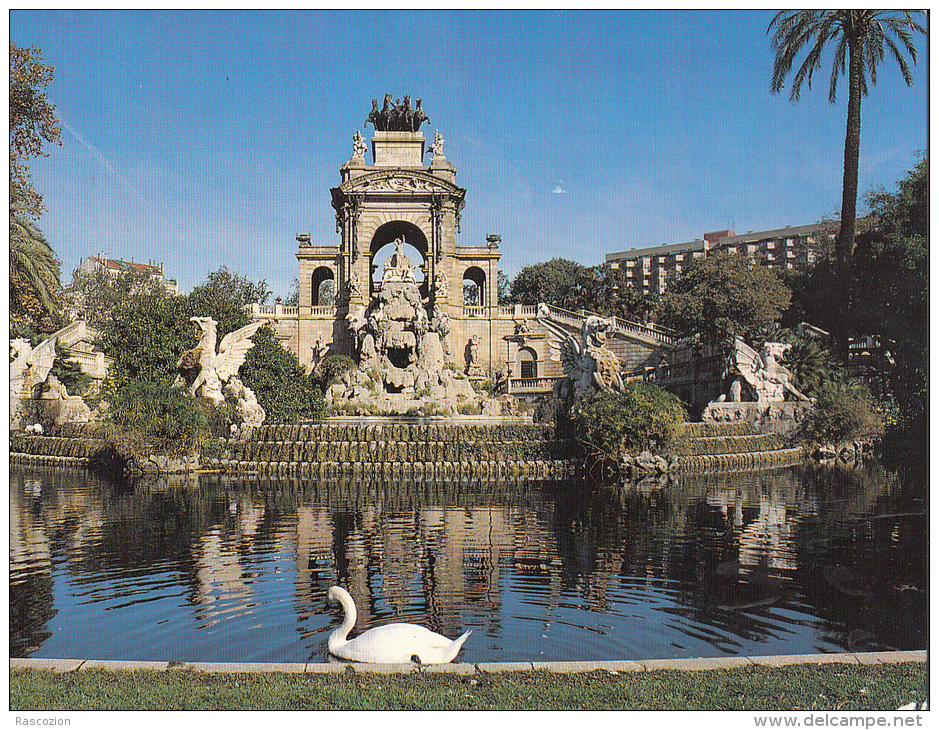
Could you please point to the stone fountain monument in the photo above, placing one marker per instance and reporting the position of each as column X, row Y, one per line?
column 404, row 354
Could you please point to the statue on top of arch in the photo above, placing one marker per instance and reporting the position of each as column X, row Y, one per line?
column 396, row 116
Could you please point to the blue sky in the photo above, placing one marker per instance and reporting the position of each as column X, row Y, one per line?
column 203, row 139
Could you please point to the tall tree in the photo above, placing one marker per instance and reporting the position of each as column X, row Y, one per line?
column 722, row 297
column 859, row 37
column 228, row 285
column 559, row 282
column 32, row 123
column 891, row 290
column 612, row 295
column 93, row 296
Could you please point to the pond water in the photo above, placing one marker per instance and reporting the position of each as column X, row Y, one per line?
column 221, row 569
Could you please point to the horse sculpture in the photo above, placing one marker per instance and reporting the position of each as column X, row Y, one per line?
column 396, row 115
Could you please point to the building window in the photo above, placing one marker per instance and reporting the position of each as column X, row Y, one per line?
column 527, row 363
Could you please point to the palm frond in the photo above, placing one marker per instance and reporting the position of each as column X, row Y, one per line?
column 33, row 260
column 795, row 32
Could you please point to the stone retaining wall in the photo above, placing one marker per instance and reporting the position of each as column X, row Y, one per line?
column 420, row 470
column 421, row 450
column 741, row 461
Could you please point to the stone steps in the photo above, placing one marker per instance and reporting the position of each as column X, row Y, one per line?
column 710, row 429
column 404, row 432
column 741, row 461
column 77, row 448
column 435, row 471
column 423, row 450
column 735, row 446
column 753, row 442
column 395, row 451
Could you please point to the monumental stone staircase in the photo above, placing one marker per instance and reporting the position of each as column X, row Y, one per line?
column 634, row 344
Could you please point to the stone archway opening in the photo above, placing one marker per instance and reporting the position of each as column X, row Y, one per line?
column 323, row 286
column 474, row 287
column 383, row 246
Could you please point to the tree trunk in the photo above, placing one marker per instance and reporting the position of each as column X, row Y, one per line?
column 844, row 247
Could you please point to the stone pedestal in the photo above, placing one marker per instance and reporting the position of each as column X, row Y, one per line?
column 398, row 149
column 443, row 168
column 782, row 417
column 355, row 167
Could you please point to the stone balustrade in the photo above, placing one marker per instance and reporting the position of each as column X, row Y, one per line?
column 532, row 385
column 280, row 311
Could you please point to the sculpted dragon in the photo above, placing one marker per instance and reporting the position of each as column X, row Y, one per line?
column 759, row 375
column 203, row 369
column 588, row 364
column 29, row 366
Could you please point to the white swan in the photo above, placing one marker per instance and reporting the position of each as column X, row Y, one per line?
column 389, row 644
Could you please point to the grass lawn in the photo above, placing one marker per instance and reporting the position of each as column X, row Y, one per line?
column 800, row 687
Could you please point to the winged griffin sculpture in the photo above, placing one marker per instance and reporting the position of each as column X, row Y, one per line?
column 203, row 369
column 759, row 375
column 29, row 366
column 588, row 364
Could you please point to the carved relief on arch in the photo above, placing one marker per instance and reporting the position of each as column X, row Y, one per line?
column 399, row 181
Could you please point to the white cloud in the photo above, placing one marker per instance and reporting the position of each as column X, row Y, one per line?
column 559, row 190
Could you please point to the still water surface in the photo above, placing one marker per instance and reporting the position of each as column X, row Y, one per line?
column 772, row 562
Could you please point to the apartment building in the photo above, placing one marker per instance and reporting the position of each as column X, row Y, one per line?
column 650, row 269
column 116, row 266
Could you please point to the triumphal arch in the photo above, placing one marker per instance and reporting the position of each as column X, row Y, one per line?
column 405, row 200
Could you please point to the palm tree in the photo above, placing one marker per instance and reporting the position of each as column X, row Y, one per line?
column 860, row 37
column 34, row 269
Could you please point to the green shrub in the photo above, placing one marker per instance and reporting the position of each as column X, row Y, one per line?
column 888, row 411
column 642, row 418
column 276, row 376
column 223, row 416
column 332, row 367
column 145, row 336
column 165, row 417
column 69, row 372
column 843, row 412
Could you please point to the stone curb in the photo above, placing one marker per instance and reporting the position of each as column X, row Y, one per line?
column 614, row 667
